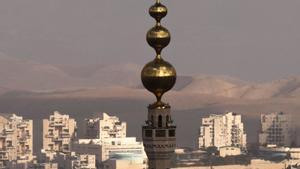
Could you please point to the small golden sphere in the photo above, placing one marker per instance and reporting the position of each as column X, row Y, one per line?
column 158, row 76
column 158, row 11
column 158, row 37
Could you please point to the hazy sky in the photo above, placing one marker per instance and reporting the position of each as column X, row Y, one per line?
column 249, row 39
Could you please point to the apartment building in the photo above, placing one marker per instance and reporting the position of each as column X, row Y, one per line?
column 105, row 127
column 58, row 133
column 222, row 131
column 16, row 140
column 277, row 128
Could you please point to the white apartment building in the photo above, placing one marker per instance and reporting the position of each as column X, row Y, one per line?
column 222, row 131
column 73, row 161
column 58, row 133
column 125, row 163
column 277, row 129
column 15, row 140
column 84, row 161
column 110, row 147
column 105, row 127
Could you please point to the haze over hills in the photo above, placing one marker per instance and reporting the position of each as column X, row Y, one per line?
column 34, row 90
column 24, row 75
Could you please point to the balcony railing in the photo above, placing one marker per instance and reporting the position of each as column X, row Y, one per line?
column 22, row 125
column 65, row 135
column 57, row 124
column 57, row 139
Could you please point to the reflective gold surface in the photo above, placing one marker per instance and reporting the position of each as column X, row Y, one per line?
column 158, row 68
column 158, row 76
column 158, row 37
column 158, row 11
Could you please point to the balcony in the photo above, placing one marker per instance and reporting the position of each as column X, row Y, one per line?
column 65, row 150
column 23, row 157
column 3, row 157
column 49, row 135
column 23, row 139
column 22, row 125
column 57, row 124
column 57, row 139
column 65, row 135
column 9, row 130
column 2, row 135
column 10, row 147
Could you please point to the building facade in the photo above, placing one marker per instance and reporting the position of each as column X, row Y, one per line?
column 278, row 129
column 222, row 131
column 16, row 140
column 105, row 127
column 58, row 133
column 110, row 147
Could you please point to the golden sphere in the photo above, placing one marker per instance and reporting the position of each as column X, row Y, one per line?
column 158, row 76
column 158, row 11
column 158, row 37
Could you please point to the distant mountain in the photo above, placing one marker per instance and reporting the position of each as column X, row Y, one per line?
column 21, row 77
column 21, row 74
column 233, row 88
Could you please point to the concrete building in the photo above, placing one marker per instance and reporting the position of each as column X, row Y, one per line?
column 15, row 140
column 110, row 147
column 84, row 161
column 222, row 131
column 110, row 144
column 75, row 161
column 58, row 133
column 48, row 165
column 123, row 162
column 277, row 129
column 255, row 164
column 105, row 127
column 229, row 151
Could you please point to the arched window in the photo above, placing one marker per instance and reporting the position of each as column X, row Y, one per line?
column 159, row 121
column 167, row 120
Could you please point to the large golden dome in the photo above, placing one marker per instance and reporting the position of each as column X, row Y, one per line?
column 158, row 76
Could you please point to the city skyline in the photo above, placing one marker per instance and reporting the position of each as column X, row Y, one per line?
column 109, row 137
column 236, row 75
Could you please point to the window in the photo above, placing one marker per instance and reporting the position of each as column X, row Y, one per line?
column 148, row 133
column 172, row 133
column 159, row 121
column 160, row 133
column 167, row 120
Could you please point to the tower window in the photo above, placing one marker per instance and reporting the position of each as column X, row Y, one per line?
column 148, row 133
column 160, row 133
column 159, row 121
column 172, row 133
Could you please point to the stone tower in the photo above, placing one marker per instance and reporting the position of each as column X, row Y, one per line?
column 159, row 76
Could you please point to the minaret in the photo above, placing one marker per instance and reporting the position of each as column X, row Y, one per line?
column 159, row 76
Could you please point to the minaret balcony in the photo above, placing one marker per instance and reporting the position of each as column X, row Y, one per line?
column 151, row 132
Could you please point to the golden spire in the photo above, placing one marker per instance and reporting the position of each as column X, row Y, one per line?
column 158, row 76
